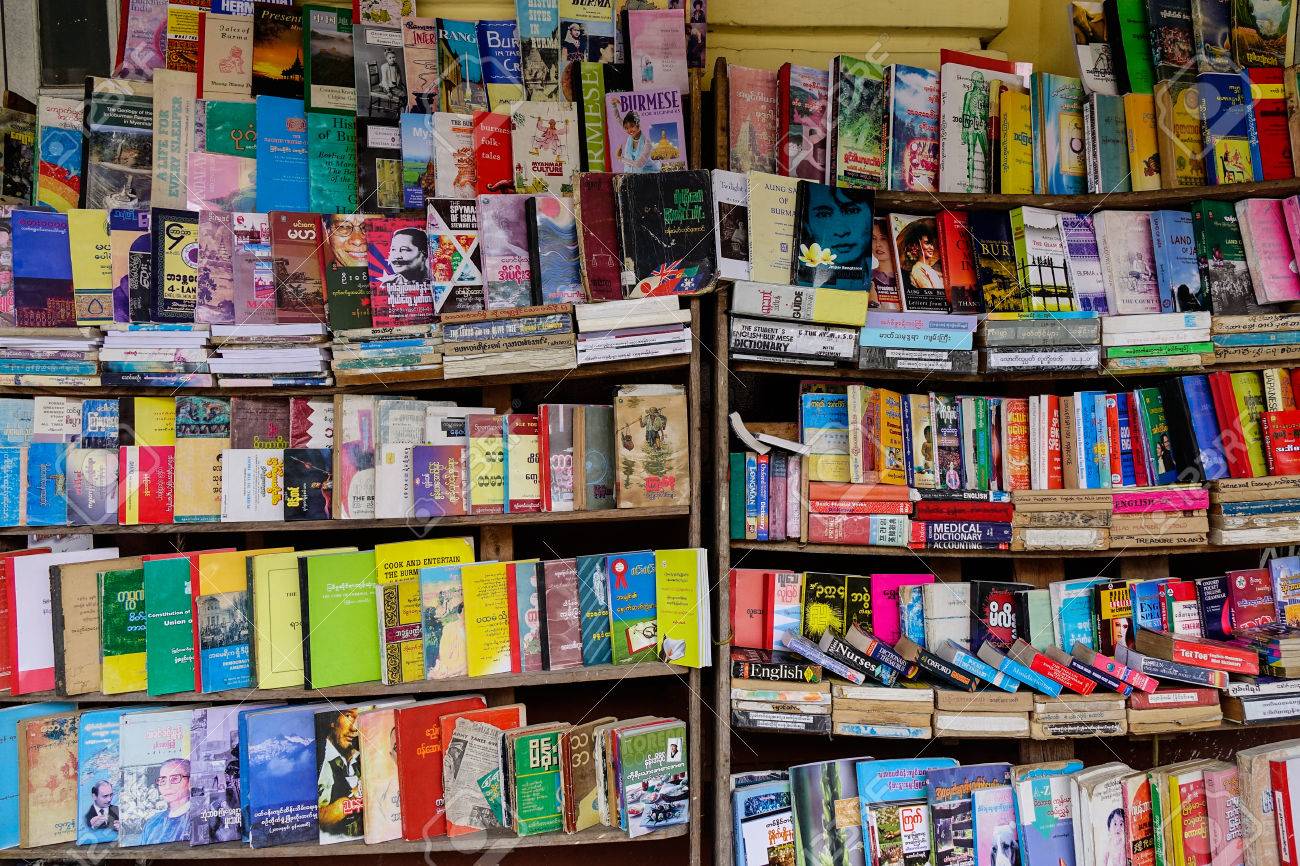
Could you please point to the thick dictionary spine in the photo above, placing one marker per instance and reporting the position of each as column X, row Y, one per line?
column 877, row 650
column 809, row 650
column 838, row 649
column 951, row 652
column 934, row 668
column 1138, row 680
column 1167, row 670
column 1101, row 678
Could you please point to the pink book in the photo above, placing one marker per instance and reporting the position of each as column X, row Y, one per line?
column 752, row 99
column 884, row 602
column 401, row 284
column 658, row 42
column 1268, row 250
column 1196, row 836
column 646, row 131
column 221, row 181
column 793, row 495
column 1143, row 501
column 776, row 501
column 1291, row 214
column 1223, row 806
column 253, row 269
column 215, row 302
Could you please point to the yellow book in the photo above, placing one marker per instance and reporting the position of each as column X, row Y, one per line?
column 402, row 560
column 771, row 227
column 198, row 498
column 523, row 464
column 682, row 606
column 1017, row 145
column 1277, row 390
column 840, row 306
column 891, row 463
column 487, row 480
column 1178, row 120
column 401, row 640
column 1174, row 856
column 827, row 467
column 1143, row 150
column 128, row 485
column 227, row 570
column 155, row 421
column 277, row 613
column 487, row 617
column 92, row 266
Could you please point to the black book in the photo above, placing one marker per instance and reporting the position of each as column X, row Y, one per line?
column 589, row 82
column 379, row 165
column 995, row 615
column 305, row 620
column 1173, row 51
column 995, row 261
column 175, row 271
column 665, row 224
column 832, row 231
column 307, row 473
column 934, row 669
column 1114, row 37
column 1178, row 422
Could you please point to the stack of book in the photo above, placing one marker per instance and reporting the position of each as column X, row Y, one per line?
column 1171, row 516
column 1157, row 341
column 402, row 353
column 1095, row 714
column 1267, row 699
column 1064, row 341
column 269, row 356
column 627, row 330
column 51, row 356
column 918, row 341
column 496, row 342
column 1255, row 510
column 1251, row 339
column 1173, row 708
column 993, row 713
column 154, row 354
column 795, row 324
column 778, row 691
column 880, row 711
column 1061, row 520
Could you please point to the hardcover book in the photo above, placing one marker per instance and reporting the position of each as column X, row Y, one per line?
column 593, row 204
column 666, row 231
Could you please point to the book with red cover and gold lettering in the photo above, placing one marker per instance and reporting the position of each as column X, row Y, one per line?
column 296, row 243
column 1281, row 433
column 1197, row 652
column 1268, row 101
column 492, row 153
column 419, row 763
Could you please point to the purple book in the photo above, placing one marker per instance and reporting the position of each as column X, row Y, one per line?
column 216, row 295
column 503, row 240
column 438, row 480
column 563, row 646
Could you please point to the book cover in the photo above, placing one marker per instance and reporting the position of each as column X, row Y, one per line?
column 282, row 159
column 169, row 626
column 332, row 160
column 253, row 268
column 443, row 620
column 47, row 756
column 382, row 818
column 563, row 642
column 993, row 815
column 554, row 265
column 1267, row 245
column 593, row 431
column 538, row 795
column 832, row 226
column 420, row 58
column 650, row 424
column 522, row 467
column 215, row 814
column 498, row 46
column 1177, row 271
column 58, row 172
column 654, row 758
column 913, row 128
column 173, row 135
column 916, row 250
column 964, row 156
column 657, row 49
column 420, row 753
column 225, row 51
column 666, row 231
column 454, row 175
column 400, row 632
column 329, row 74
column 42, row 270
column 307, row 483
column 948, row 794
column 99, row 777
column 490, row 643
column 379, row 71
column 539, row 47
column 1221, row 257
column 1044, row 815
column 544, row 140
column 277, row 52
column 1268, row 104
column 122, row 630
column 340, row 613
column 401, row 285
column 487, row 480
column 503, row 241
column 117, row 161
column 461, row 85
column 175, row 269
column 230, row 128
column 1228, row 128
column 1127, row 261
column 1259, row 34
column 802, row 93
column 493, row 153
column 155, row 757
column 593, row 599
column 646, row 131
column 857, row 126
column 418, row 168
column 771, row 227
column 751, row 121
column 278, row 770
column 827, row 813
column 633, row 623
column 296, row 241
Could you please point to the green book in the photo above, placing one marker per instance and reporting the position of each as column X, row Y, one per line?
column 591, row 105
column 327, row 58
column 652, row 766
column 538, row 793
column 736, row 496
column 169, row 626
column 340, row 619
column 633, row 619
column 231, row 128
column 1198, row 348
column 982, row 456
column 332, row 163
column 1135, row 36
column 122, row 631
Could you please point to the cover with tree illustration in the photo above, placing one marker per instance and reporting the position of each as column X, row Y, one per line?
column 859, row 98
column 650, row 430
column 1259, row 37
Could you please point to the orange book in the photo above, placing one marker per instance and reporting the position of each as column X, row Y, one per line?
column 461, row 789
column 959, row 272
column 858, row 492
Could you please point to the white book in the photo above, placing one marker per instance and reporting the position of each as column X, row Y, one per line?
column 731, row 219
column 445, row 425
column 626, row 321
column 1156, row 338
column 33, row 669
column 656, row 350
column 1082, row 261
column 1005, row 724
column 453, row 134
column 1127, row 261
column 295, row 329
column 1155, row 321
column 394, row 497
column 665, row 305
column 252, row 485
column 961, row 168
column 947, row 612
column 222, row 365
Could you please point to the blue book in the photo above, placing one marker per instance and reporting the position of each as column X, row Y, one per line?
column 897, row 780
column 9, row 782
column 42, row 271
column 1212, row 596
column 462, row 68
column 1177, row 273
column 1073, row 602
column 443, row 604
column 764, row 498
column 1123, row 405
column 11, row 486
column 16, row 417
column 1228, row 128
column 498, row 50
column 593, row 598
column 948, row 794
column 47, row 493
column 278, row 769
column 214, row 769
column 1088, row 429
column 281, row 155
column 99, row 423
column 417, row 159
column 911, row 615
column 1064, row 161
column 23, row 366
column 823, row 412
column 1101, row 439
column 99, row 774
column 1285, row 573
column 1274, row 338
column 1043, row 815
column 915, row 112
column 758, row 812
column 1147, row 605
column 1264, row 506
column 1205, row 426
column 954, row 653
column 553, row 250
column 632, row 606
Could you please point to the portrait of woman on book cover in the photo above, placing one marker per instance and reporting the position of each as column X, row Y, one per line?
column 834, row 237
column 634, row 153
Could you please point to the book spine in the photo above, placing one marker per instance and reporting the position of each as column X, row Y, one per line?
column 940, row 672
column 1217, row 658
column 751, row 496
column 1053, row 669
column 1283, row 812
column 764, row 496
column 775, row 672
column 841, row 651
column 975, row 666
column 1030, row 677
column 1167, row 670
column 878, row 651
column 1097, row 676
column 806, row 648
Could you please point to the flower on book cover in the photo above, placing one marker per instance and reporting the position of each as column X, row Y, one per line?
column 814, row 255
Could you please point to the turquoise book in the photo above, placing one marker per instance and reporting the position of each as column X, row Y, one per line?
column 9, row 782
column 593, row 599
column 332, row 163
column 168, row 626
column 47, row 489
column 99, row 776
column 1065, row 158
column 632, row 612
column 1111, row 125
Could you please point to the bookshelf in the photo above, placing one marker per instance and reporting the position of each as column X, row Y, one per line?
column 562, row 695
column 762, row 387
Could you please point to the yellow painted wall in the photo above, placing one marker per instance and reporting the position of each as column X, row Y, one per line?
column 1039, row 31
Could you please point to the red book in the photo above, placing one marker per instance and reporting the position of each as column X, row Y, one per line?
column 1198, row 652
column 491, row 138
column 959, row 270
column 157, row 483
column 505, row 718
column 1196, row 822
column 1281, row 432
column 749, row 607
column 994, row 512
column 844, row 506
column 1225, row 409
column 6, row 660
column 593, row 205
column 1055, row 470
column 1250, row 599
column 297, row 240
column 1138, row 438
column 1171, row 697
column 419, row 763
column 400, row 293
column 1283, row 810
column 1268, row 100
column 1051, row 668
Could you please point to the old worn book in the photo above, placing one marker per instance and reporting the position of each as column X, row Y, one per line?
column 665, row 224
column 583, row 785
column 47, row 796
column 651, row 432
column 74, row 600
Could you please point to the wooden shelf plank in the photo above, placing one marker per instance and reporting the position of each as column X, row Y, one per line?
column 924, row 202
column 469, row 520
column 233, row 850
column 1222, row 727
column 380, row 386
column 597, row 673
column 865, row 550
column 849, row 373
